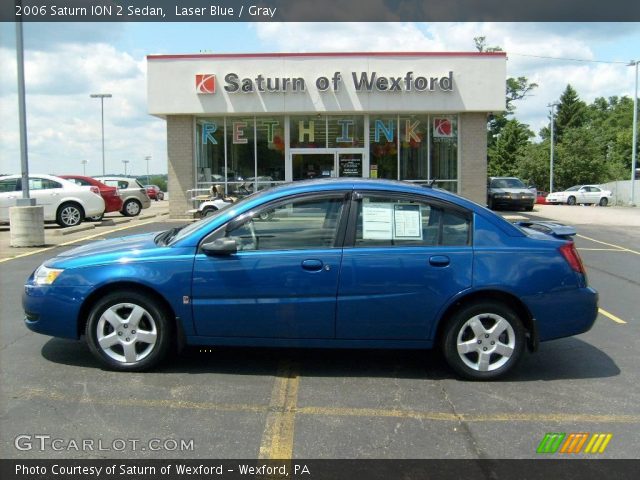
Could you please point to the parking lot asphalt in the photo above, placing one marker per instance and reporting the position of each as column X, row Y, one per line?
column 288, row 403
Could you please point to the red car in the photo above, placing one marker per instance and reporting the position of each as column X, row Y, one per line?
column 110, row 195
column 541, row 197
column 154, row 192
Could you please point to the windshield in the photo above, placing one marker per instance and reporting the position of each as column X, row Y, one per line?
column 506, row 183
column 573, row 189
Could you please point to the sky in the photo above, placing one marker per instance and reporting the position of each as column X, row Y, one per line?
column 66, row 62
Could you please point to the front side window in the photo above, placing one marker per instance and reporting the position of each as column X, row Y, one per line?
column 9, row 185
column 401, row 221
column 310, row 223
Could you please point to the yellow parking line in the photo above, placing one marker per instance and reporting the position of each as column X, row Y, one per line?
column 611, row 316
column 139, row 402
column 277, row 438
column 277, row 441
column 609, row 244
column 441, row 416
column 71, row 242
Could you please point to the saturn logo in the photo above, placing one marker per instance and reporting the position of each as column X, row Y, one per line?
column 205, row 83
column 442, row 127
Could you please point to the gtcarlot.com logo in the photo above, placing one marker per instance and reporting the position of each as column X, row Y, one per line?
column 574, row 443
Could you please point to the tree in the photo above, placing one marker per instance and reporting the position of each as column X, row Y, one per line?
column 509, row 147
column 516, row 89
column 579, row 159
column 571, row 112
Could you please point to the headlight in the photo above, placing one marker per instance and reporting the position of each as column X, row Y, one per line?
column 46, row 276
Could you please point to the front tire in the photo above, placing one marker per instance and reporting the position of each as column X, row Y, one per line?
column 128, row 331
column 208, row 211
column 69, row 215
column 131, row 208
column 483, row 341
column 571, row 200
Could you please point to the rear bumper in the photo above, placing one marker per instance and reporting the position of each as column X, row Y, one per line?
column 564, row 314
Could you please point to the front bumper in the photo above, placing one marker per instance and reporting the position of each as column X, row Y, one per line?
column 53, row 310
column 514, row 202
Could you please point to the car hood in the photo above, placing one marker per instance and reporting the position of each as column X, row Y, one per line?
column 132, row 246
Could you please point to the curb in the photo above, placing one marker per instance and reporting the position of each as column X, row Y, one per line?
column 70, row 230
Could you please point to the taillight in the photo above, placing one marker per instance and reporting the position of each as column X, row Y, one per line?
column 571, row 255
column 95, row 189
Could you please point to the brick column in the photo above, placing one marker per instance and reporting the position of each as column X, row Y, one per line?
column 181, row 159
column 473, row 156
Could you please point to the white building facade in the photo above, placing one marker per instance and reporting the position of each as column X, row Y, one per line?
column 250, row 121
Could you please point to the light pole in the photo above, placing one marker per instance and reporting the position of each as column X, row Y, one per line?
column 148, row 159
column 553, row 116
column 634, row 138
column 102, row 96
column 84, row 167
column 125, row 166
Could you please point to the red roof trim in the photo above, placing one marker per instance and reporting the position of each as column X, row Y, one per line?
column 325, row 54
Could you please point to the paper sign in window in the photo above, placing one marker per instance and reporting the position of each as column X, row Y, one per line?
column 407, row 222
column 377, row 221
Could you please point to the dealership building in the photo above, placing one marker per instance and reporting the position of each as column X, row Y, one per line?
column 247, row 121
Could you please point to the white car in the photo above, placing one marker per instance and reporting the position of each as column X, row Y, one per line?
column 64, row 202
column 581, row 194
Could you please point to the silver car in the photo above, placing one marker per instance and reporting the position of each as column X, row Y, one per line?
column 134, row 195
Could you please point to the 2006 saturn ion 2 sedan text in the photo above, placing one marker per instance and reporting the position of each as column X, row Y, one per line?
column 337, row 263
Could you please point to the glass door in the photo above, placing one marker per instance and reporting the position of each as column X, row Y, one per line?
column 313, row 165
column 326, row 163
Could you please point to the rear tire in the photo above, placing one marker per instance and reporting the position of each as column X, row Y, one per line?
column 96, row 218
column 131, row 208
column 604, row 202
column 483, row 341
column 128, row 331
column 69, row 214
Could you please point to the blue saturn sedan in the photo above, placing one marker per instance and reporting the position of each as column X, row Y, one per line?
column 336, row 263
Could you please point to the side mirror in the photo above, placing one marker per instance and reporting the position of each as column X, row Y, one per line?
column 220, row 246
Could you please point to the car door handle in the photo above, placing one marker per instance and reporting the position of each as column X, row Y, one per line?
column 439, row 260
column 312, row 265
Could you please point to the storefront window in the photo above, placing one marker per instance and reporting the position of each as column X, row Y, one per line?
column 414, row 147
column 346, row 131
column 383, row 150
column 270, row 143
column 309, row 131
column 444, row 151
column 210, row 151
column 240, row 153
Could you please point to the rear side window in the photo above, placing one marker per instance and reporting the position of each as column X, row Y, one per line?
column 42, row 184
column 80, row 181
column 397, row 221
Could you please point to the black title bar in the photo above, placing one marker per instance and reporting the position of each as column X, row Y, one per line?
column 542, row 468
column 318, row 10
